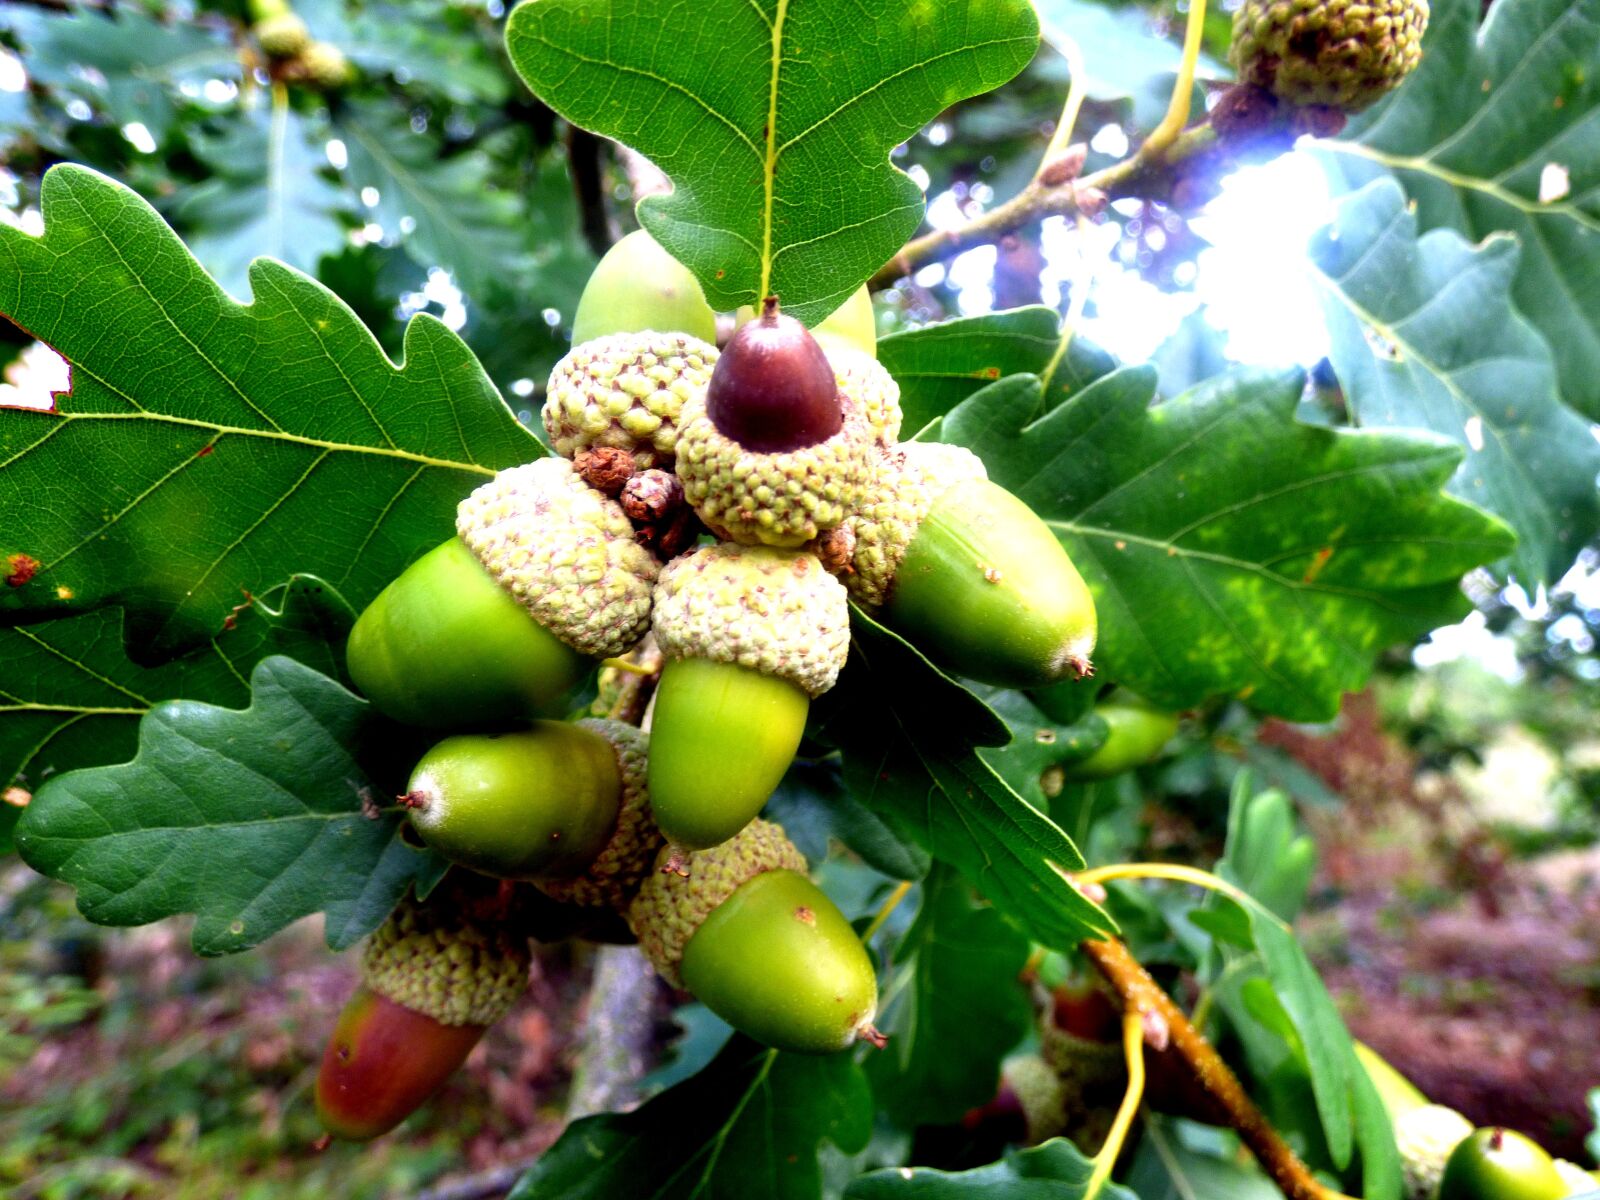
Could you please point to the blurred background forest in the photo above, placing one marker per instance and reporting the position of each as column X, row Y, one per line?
column 1456, row 803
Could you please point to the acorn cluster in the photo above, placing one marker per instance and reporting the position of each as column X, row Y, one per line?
column 291, row 52
column 709, row 516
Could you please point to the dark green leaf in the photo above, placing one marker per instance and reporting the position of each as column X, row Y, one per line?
column 249, row 820
column 813, row 805
column 70, row 697
column 1037, row 744
column 773, row 120
column 1294, row 553
column 216, row 448
column 1424, row 336
column 1056, row 1170
column 908, row 735
column 1265, row 855
column 750, row 1124
column 963, row 989
column 1496, row 131
column 1167, row 1168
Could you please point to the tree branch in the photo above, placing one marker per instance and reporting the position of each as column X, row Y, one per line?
column 1140, row 992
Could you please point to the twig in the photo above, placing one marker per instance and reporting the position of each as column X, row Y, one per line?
column 588, row 185
column 1140, row 993
column 493, row 1183
column 618, row 1033
column 641, row 670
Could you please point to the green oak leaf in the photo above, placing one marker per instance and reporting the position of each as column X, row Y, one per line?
column 1037, row 744
column 813, row 805
column 248, row 819
column 1424, row 336
column 1056, row 1170
column 214, row 447
column 773, row 119
column 1496, row 132
column 939, row 366
column 1294, row 553
column 268, row 193
column 750, row 1124
column 71, row 698
column 961, row 964
column 1168, row 1167
column 455, row 217
column 908, row 735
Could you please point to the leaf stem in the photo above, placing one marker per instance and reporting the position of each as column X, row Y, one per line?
column 888, row 906
column 1177, row 116
column 1175, row 872
column 1062, row 137
column 1133, row 1049
column 1141, row 994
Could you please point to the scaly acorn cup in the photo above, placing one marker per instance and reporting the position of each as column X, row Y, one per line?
column 1344, row 54
column 967, row 571
column 1500, row 1164
column 566, row 552
column 638, row 286
column 627, row 391
column 773, row 453
column 282, row 35
column 1039, row 1094
column 749, row 634
column 446, row 647
column 433, row 980
column 533, row 804
column 1137, row 731
column 759, row 944
column 1425, row 1137
column 868, row 383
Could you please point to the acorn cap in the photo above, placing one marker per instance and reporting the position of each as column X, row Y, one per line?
column 437, row 961
column 626, row 391
column 905, row 483
column 868, row 383
column 1343, row 54
column 1040, row 1094
column 615, row 874
column 773, row 611
column 777, row 499
column 1425, row 1137
column 282, row 35
column 566, row 552
column 670, row 907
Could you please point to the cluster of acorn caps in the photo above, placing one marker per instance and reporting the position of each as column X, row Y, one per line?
column 291, row 52
column 715, row 513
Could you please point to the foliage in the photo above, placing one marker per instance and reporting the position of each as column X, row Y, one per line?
column 264, row 427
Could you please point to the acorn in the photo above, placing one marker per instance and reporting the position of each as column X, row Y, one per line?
column 773, row 453
column 282, row 35
column 1500, row 1164
column 1137, row 732
column 444, row 646
column 638, row 286
column 1425, row 1136
column 967, row 571
column 759, row 944
column 432, row 982
column 1340, row 54
column 749, row 634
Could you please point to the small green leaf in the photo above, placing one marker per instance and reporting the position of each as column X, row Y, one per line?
column 1056, row 1170
column 71, row 698
column 217, row 448
column 1037, row 744
column 813, row 805
column 1295, row 553
column 1496, row 133
column 908, row 734
column 964, row 964
column 774, row 119
column 249, row 820
column 750, row 1124
column 1425, row 337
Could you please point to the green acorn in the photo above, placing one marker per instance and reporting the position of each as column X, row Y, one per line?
column 433, row 980
column 1500, row 1164
column 1137, row 732
column 538, row 803
column 1343, row 54
column 449, row 644
column 967, row 571
column 1425, row 1137
column 749, row 634
column 1578, row 1181
column 759, row 944
column 323, row 65
column 444, row 646
column 282, row 35
column 638, row 286
column 773, row 453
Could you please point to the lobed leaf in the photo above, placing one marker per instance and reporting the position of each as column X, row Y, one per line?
column 773, row 119
column 1056, row 1170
